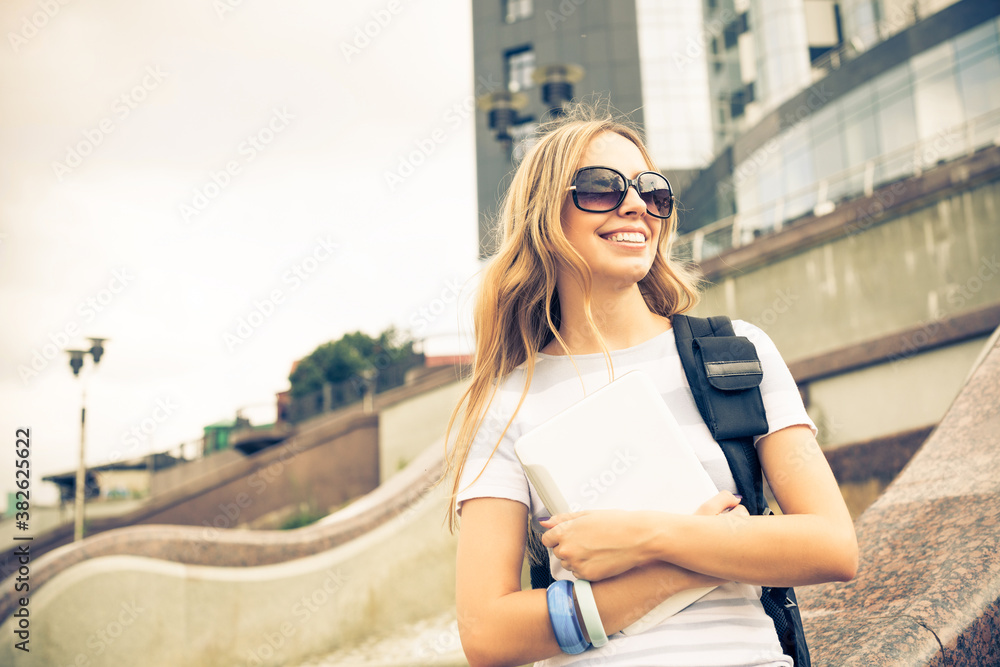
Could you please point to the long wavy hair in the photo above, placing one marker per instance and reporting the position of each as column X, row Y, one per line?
column 517, row 308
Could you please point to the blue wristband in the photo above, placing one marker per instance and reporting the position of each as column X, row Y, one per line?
column 562, row 614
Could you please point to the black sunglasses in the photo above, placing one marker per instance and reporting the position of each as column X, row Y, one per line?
column 603, row 189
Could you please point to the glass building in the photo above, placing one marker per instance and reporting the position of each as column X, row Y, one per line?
column 761, row 112
column 929, row 92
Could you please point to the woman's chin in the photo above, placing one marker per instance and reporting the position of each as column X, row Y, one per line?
column 621, row 279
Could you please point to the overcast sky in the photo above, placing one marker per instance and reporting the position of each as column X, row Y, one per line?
column 218, row 186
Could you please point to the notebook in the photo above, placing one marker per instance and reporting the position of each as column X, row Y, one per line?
column 618, row 448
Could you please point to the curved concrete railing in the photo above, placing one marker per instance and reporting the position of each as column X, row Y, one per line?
column 347, row 436
column 241, row 548
column 928, row 586
column 377, row 563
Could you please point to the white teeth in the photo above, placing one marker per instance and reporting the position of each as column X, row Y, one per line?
column 630, row 237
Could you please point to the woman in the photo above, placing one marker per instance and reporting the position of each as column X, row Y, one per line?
column 583, row 289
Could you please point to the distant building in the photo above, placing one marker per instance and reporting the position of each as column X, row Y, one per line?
column 756, row 110
column 120, row 480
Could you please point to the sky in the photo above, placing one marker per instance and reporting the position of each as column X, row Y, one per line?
column 217, row 187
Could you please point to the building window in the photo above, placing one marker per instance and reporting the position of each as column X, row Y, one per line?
column 515, row 10
column 823, row 28
column 742, row 23
column 520, row 63
column 730, row 34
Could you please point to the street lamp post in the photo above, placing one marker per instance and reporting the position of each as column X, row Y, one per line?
column 76, row 363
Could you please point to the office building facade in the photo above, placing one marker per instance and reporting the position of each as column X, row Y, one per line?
column 759, row 111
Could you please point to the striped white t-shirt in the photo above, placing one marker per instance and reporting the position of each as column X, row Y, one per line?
column 728, row 626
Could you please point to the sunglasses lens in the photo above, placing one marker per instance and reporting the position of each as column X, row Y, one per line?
column 598, row 190
column 655, row 191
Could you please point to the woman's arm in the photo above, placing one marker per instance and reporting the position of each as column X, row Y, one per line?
column 502, row 625
column 811, row 542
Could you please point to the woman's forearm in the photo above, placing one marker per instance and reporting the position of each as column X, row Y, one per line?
column 785, row 550
column 515, row 629
column 626, row 598
column 811, row 542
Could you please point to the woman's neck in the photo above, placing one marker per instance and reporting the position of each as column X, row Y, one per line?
column 622, row 318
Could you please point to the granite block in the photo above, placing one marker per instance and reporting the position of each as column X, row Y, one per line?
column 927, row 591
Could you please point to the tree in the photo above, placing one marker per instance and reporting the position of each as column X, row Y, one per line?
column 346, row 359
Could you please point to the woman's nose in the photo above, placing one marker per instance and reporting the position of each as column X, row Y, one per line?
column 632, row 203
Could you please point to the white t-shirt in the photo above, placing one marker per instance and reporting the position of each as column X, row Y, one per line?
column 728, row 626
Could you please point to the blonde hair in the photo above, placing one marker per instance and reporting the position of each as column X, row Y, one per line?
column 517, row 308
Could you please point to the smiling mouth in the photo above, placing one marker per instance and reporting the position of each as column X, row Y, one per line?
column 625, row 237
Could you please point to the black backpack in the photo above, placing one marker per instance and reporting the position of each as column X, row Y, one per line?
column 724, row 373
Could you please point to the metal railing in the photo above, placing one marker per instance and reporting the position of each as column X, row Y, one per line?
column 338, row 395
column 822, row 197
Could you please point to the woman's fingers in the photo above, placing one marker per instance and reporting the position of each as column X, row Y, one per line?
column 598, row 544
column 550, row 537
column 721, row 502
column 739, row 510
column 553, row 521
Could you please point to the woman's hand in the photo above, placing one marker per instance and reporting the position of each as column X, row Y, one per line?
column 722, row 503
column 599, row 544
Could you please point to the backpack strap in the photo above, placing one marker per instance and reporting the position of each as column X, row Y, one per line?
column 724, row 373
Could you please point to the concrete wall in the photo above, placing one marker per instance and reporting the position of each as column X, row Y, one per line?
column 890, row 398
column 922, row 266
column 323, row 476
column 164, row 481
column 904, row 275
column 409, row 427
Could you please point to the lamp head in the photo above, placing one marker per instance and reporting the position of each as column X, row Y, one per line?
column 97, row 349
column 503, row 107
column 557, row 83
column 76, row 360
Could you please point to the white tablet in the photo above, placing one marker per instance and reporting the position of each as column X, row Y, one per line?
column 618, row 448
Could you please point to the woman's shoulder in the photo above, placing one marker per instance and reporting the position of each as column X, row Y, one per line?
column 545, row 375
column 748, row 329
column 767, row 351
column 754, row 334
column 507, row 390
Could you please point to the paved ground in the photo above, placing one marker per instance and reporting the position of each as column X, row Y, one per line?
column 429, row 643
